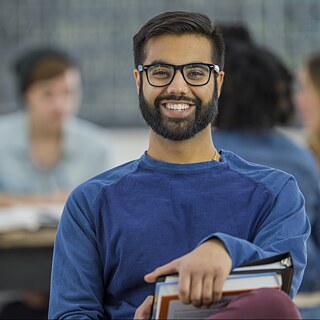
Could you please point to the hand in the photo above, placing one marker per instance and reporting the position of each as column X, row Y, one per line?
column 202, row 273
column 144, row 310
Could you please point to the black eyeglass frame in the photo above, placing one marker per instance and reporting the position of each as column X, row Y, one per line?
column 212, row 67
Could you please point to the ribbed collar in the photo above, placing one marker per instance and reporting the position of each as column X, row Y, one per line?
column 182, row 168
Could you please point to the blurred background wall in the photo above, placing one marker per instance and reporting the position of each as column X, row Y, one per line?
column 99, row 34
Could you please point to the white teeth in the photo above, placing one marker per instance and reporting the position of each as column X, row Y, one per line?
column 174, row 106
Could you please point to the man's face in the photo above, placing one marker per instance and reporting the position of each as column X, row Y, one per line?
column 50, row 102
column 178, row 111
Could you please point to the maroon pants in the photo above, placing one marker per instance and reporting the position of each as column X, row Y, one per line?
column 262, row 303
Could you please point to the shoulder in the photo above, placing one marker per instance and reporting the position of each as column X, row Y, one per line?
column 13, row 120
column 93, row 189
column 13, row 131
column 271, row 178
column 89, row 135
column 77, row 127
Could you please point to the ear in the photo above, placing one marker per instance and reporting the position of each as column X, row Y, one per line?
column 220, row 81
column 136, row 75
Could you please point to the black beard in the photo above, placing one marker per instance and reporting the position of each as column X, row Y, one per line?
column 176, row 128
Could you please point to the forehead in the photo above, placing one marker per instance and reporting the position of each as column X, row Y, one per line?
column 178, row 49
column 69, row 78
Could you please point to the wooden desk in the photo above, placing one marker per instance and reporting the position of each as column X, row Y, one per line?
column 25, row 259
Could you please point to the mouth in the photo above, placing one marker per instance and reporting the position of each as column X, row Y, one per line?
column 177, row 109
column 177, row 106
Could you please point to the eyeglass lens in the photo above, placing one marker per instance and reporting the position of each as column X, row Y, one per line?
column 194, row 74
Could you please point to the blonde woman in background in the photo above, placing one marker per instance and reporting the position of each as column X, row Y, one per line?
column 308, row 101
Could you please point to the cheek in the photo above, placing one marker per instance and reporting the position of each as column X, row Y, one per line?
column 316, row 110
column 302, row 99
column 310, row 103
column 309, row 108
column 36, row 104
column 203, row 93
column 72, row 103
column 151, row 93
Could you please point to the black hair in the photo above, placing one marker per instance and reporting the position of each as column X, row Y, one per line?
column 235, row 32
column 179, row 22
column 251, row 97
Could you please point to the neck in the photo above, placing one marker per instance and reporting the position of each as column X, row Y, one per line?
column 199, row 148
column 45, row 145
column 39, row 131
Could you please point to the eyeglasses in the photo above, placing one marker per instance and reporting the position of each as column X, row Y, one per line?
column 162, row 74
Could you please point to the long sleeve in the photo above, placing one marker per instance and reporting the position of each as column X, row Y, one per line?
column 77, row 281
column 286, row 228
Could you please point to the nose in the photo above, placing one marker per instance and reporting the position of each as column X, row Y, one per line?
column 59, row 104
column 178, row 85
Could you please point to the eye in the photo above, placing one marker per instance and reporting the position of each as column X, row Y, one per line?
column 47, row 93
column 196, row 72
column 159, row 71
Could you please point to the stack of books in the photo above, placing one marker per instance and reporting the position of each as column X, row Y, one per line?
column 273, row 272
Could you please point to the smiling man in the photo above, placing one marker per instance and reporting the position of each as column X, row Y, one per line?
column 179, row 109
column 183, row 206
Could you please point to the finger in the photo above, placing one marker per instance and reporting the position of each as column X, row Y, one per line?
column 184, row 287
column 168, row 268
column 207, row 290
column 196, row 290
column 217, row 288
column 145, row 309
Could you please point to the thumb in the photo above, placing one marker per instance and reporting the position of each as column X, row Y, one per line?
column 145, row 309
column 171, row 267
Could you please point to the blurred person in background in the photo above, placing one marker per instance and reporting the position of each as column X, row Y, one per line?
column 307, row 99
column 256, row 98
column 239, row 34
column 235, row 33
column 45, row 151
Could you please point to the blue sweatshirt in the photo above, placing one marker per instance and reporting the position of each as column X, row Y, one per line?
column 272, row 148
column 124, row 223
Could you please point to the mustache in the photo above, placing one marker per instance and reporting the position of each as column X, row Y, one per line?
column 173, row 97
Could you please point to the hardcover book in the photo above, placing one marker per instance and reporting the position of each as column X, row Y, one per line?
column 273, row 272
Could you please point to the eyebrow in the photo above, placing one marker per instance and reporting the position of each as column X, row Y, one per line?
column 165, row 62
column 159, row 62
